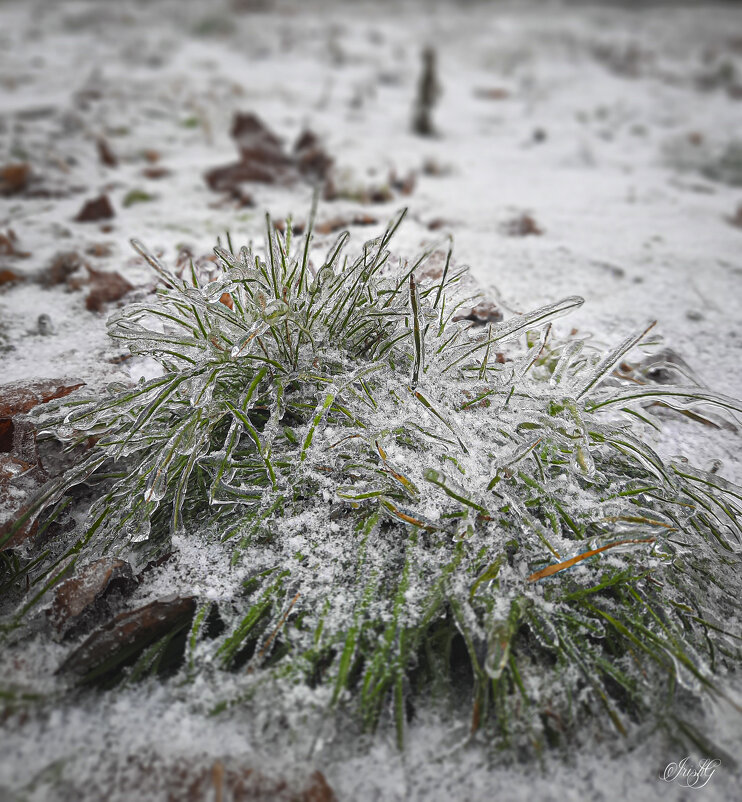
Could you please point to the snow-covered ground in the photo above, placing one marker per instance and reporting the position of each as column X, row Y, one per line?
column 618, row 131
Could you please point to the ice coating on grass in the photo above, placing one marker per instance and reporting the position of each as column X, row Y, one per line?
column 386, row 510
column 594, row 184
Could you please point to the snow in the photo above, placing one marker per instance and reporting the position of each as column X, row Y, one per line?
column 608, row 151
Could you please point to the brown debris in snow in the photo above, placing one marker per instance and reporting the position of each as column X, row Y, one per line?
column 61, row 267
column 18, row 442
column 8, row 245
column 254, row 138
column 329, row 226
column 96, row 209
column 21, row 471
column 113, row 644
column 105, row 154
column 149, row 775
column 106, row 287
column 9, row 277
column 484, row 312
column 312, row 160
column 264, row 160
column 736, row 218
column 14, row 178
column 404, row 186
column 228, row 178
column 492, row 93
column 155, row 173
column 338, row 223
column 523, row 226
column 6, row 435
column 227, row 300
column 432, row 167
column 83, row 600
column 17, row 398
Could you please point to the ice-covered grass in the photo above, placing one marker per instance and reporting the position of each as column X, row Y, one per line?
column 411, row 507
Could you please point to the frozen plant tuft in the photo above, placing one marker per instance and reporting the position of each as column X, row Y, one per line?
column 422, row 509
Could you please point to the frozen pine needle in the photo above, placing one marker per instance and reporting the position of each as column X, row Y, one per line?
column 398, row 506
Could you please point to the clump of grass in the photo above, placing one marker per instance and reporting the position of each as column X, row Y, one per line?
column 418, row 518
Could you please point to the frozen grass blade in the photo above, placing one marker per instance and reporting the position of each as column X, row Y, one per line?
column 612, row 358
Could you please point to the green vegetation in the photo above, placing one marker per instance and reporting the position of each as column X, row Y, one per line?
column 135, row 196
column 421, row 509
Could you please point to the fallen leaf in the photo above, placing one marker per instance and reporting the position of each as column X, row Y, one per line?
column 105, row 154
column 19, row 397
column 523, row 226
column 225, row 179
column 264, row 160
column 14, row 178
column 255, row 139
column 105, row 288
column 9, row 277
column 117, row 642
column 82, row 601
column 226, row 299
column 155, row 173
column 96, row 209
column 21, row 473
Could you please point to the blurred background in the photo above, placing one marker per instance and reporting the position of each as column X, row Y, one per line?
column 569, row 148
